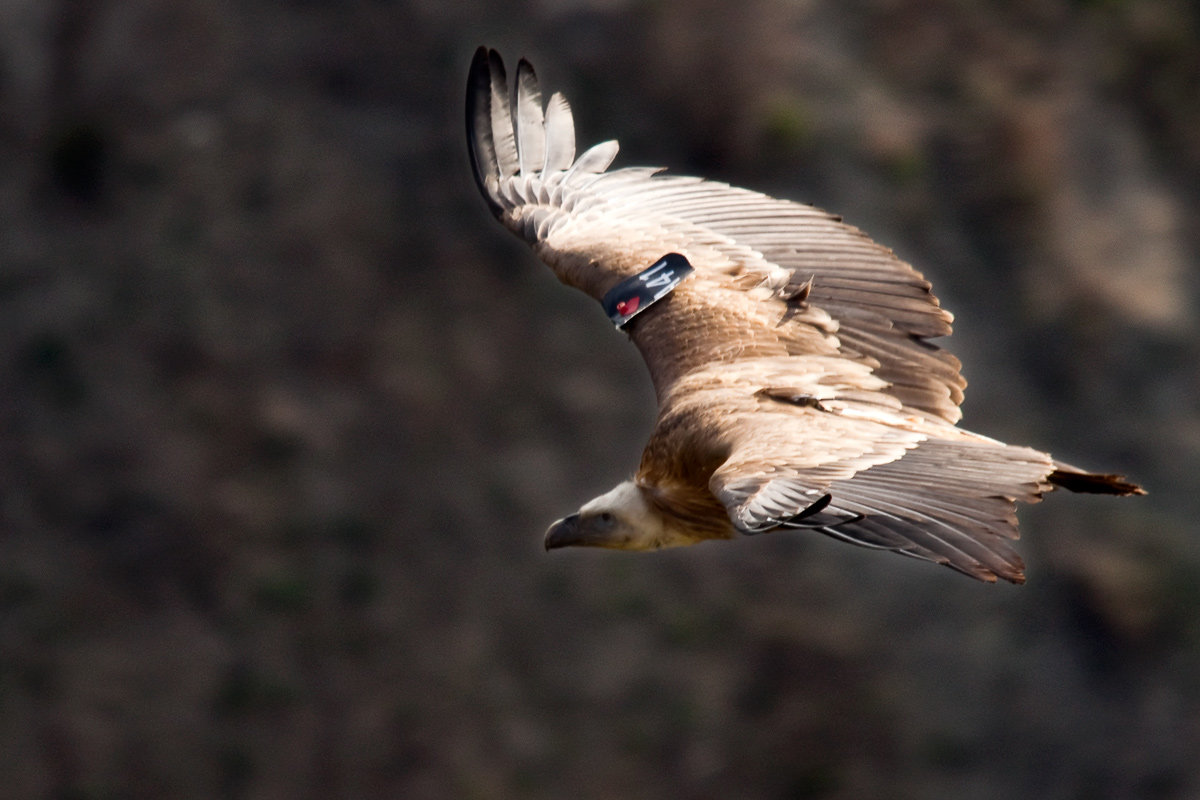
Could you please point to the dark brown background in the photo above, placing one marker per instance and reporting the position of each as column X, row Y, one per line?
column 285, row 413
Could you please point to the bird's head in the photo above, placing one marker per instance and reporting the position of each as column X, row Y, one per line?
column 622, row 519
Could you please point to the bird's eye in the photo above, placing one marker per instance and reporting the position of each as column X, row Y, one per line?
column 607, row 518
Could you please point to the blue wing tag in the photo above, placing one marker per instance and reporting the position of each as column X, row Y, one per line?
column 634, row 295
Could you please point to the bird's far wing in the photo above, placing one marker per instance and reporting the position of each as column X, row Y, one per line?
column 947, row 501
column 777, row 276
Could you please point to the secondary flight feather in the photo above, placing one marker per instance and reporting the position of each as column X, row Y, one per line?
column 798, row 387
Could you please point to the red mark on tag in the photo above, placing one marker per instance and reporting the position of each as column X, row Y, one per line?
column 627, row 307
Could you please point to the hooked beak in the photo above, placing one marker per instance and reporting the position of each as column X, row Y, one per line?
column 564, row 533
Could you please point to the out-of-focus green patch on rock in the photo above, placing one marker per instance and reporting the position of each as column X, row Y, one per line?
column 245, row 689
column 284, row 592
column 787, row 126
column 50, row 362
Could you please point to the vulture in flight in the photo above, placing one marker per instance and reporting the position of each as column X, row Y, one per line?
column 798, row 385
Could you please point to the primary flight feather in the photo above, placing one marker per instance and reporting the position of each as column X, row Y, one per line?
column 791, row 357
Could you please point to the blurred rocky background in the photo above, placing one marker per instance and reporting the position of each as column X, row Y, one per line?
column 285, row 412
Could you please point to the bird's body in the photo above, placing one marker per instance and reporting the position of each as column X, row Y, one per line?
column 796, row 383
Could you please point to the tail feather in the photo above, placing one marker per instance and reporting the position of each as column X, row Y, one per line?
column 1077, row 480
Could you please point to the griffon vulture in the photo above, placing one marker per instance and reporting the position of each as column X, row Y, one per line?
column 798, row 387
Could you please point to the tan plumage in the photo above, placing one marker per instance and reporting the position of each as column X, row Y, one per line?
column 796, row 383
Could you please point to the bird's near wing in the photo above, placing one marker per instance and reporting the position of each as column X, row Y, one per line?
column 951, row 502
column 773, row 277
column 942, row 501
column 831, row 452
